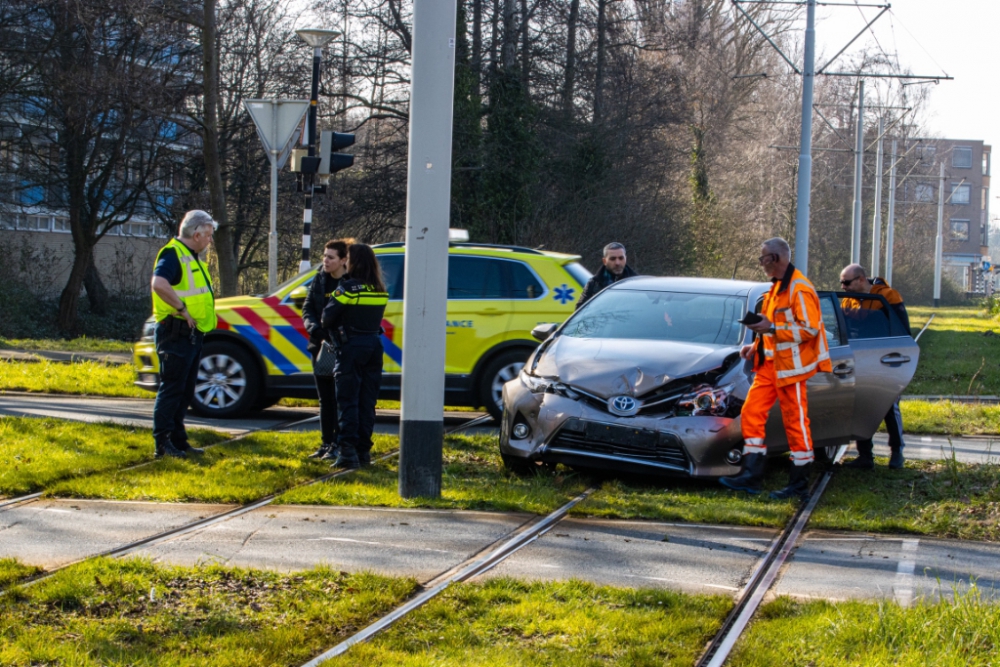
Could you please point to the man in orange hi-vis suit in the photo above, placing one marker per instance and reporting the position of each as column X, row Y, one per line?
column 790, row 348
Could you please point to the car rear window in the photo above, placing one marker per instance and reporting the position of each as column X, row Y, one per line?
column 709, row 319
column 580, row 274
column 475, row 278
column 392, row 274
column 523, row 283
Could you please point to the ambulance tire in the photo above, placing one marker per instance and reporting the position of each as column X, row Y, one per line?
column 503, row 368
column 229, row 381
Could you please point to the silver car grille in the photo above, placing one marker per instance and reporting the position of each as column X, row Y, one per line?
column 613, row 440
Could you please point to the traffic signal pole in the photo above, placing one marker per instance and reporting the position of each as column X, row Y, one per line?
column 428, row 205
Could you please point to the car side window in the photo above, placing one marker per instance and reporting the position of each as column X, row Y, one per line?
column 475, row 278
column 523, row 283
column 830, row 321
column 392, row 274
column 866, row 316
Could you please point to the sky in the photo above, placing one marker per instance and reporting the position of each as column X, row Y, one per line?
column 933, row 37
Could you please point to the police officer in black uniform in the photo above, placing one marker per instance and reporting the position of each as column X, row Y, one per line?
column 353, row 319
column 321, row 290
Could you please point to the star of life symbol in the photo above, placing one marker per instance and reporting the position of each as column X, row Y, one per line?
column 623, row 405
column 564, row 294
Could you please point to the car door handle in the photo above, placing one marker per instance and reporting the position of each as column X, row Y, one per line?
column 842, row 370
column 894, row 359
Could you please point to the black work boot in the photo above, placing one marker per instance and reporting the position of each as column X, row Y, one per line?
column 167, row 448
column 896, row 459
column 321, row 452
column 865, row 460
column 187, row 448
column 798, row 484
column 347, row 459
column 364, row 454
column 749, row 479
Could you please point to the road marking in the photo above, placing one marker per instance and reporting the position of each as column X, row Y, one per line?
column 903, row 586
column 926, row 439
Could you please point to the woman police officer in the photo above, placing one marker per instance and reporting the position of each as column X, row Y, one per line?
column 353, row 319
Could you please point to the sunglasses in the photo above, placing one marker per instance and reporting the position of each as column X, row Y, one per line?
column 849, row 280
column 768, row 258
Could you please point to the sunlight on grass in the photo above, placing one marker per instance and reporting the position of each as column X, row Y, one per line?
column 943, row 498
column 39, row 452
column 949, row 418
column 473, row 478
column 506, row 622
column 959, row 352
column 83, row 377
column 13, row 570
column 82, row 344
column 118, row 613
column 960, row 633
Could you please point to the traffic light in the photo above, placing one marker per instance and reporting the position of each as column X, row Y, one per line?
column 329, row 144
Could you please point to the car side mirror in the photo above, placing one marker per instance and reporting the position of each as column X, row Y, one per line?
column 298, row 296
column 542, row 332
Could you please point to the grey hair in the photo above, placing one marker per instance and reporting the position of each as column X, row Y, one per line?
column 195, row 220
column 614, row 245
column 779, row 247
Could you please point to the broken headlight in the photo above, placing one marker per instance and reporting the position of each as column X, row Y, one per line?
column 706, row 399
column 540, row 385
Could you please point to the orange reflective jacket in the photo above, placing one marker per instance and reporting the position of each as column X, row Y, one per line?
column 798, row 345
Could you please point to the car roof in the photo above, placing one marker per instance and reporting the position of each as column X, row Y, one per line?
column 691, row 285
column 488, row 249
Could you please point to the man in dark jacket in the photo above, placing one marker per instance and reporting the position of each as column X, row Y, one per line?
column 321, row 290
column 614, row 269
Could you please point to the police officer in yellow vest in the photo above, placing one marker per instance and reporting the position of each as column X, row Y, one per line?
column 184, row 308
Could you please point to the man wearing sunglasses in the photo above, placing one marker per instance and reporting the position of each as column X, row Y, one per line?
column 854, row 279
column 790, row 347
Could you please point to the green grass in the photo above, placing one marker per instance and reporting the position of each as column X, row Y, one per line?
column 83, row 344
column 118, row 613
column 85, row 377
column 949, row 418
column 940, row 498
column 960, row 633
column 571, row 624
column 957, row 354
column 37, row 453
column 473, row 478
column 13, row 571
column 237, row 472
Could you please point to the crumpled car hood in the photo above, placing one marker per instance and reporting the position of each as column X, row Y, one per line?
column 611, row 367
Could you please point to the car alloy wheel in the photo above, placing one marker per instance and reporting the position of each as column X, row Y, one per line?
column 228, row 381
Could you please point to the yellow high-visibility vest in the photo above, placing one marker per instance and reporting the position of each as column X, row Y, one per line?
column 194, row 289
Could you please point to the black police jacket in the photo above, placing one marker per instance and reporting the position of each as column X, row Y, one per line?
column 356, row 307
column 321, row 290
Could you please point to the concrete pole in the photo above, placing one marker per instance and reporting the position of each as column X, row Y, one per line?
column 939, row 241
column 428, row 204
column 890, row 231
column 805, row 144
column 877, row 218
column 859, row 156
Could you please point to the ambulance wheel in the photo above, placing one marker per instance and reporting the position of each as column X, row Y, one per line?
column 228, row 383
column 504, row 368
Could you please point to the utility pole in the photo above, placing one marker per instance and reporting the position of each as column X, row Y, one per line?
column 939, row 241
column 805, row 144
column 877, row 218
column 891, row 224
column 428, row 204
column 859, row 157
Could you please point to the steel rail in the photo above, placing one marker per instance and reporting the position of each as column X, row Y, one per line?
column 928, row 323
column 763, row 577
column 476, row 566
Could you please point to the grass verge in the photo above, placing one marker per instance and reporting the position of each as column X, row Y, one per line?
column 949, row 418
column 12, row 571
column 959, row 352
column 941, row 498
column 506, row 622
column 82, row 344
column 83, row 377
column 237, row 472
column 37, row 453
column 108, row 612
column 473, row 478
column 960, row 633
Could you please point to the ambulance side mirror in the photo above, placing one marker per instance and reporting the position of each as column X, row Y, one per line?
column 298, row 296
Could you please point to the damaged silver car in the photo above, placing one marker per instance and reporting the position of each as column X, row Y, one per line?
column 647, row 378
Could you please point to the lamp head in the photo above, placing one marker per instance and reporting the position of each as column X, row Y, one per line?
column 317, row 37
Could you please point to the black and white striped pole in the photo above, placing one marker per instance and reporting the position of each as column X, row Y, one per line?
column 317, row 39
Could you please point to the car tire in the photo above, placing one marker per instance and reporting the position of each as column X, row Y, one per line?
column 503, row 368
column 229, row 381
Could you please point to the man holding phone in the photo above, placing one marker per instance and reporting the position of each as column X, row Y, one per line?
column 790, row 347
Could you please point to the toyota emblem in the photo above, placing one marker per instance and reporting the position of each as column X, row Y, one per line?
column 625, row 406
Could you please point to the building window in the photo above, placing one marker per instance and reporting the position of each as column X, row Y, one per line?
column 924, row 192
column 960, row 193
column 925, row 153
column 961, row 157
column 34, row 223
column 986, row 163
column 61, row 225
column 8, row 220
column 959, row 230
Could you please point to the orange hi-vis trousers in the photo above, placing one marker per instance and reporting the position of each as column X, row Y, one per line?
column 794, row 413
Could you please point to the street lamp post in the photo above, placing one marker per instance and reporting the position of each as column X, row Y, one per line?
column 316, row 38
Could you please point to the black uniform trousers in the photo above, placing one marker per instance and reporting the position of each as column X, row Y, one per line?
column 893, row 426
column 326, row 389
column 358, row 376
column 179, row 357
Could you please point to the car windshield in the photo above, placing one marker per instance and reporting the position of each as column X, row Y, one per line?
column 707, row 319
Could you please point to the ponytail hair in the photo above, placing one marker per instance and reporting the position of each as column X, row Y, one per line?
column 365, row 267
